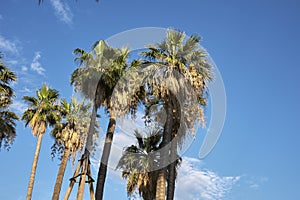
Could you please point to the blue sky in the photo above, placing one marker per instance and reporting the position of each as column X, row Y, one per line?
column 255, row 45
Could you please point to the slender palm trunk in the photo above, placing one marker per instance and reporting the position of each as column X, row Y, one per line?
column 89, row 140
column 33, row 168
column 60, row 175
column 172, row 173
column 164, row 159
column 172, row 167
column 105, row 155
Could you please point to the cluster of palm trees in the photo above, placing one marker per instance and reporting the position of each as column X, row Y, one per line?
column 171, row 75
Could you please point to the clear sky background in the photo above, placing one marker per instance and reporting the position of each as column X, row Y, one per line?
column 255, row 45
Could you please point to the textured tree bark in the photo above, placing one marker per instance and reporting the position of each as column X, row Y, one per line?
column 105, row 155
column 164, row 159
column 33, row 168
column 176, row 115
column 89, row 140
column 60, row 174
column 172, row 175
column 161, row 185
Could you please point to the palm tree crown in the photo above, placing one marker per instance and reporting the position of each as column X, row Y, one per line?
column 71, row 132
column 7, row 117
column 42, row 110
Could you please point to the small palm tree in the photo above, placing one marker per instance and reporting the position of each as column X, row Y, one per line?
column 70, row 135
column 42, row 112
column 138, row 163
column 7, row 117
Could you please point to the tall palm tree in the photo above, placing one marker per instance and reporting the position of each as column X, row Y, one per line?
column 42, row 111
column 7, row 117
column 102, row 69
column 179, row 60
column 69, row 135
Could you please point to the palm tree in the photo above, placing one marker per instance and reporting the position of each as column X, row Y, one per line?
column 137, row 164
column 7, row 117
column 179, row 60
column 42, row 111
column 69, row 136
column 102, row 69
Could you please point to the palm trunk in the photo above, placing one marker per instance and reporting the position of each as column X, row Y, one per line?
column 161, row 185
column 164, row 159
column 33, row 168
column 105, row 155
column 172, row 173
column 172, row 167
column 60, row 175
column 89, row 140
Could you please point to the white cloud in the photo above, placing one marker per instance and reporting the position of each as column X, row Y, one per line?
column 7, row 45
column 18, row 106
column 36, row 65
column 12, row 62
column 195, row 183
column 24, row 68
column 62, row 11
column 255, row 183
column 25, row 90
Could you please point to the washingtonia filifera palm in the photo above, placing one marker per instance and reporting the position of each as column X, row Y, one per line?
column 100, row 71
column 42, row 111
column 179, row 73
column 7, row 117
column 69, row 134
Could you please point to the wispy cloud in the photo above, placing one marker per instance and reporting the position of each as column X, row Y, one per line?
column 24, row 68
column 25, row 90
column 195, row 183
column 255, row 183
column 19, row 107
column 62, row 11
column 12, row 62
column 36, row 65
column 8, row 45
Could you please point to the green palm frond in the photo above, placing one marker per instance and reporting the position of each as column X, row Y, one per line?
column 42, row 110
column 71, row 131
column 7, row 117
column 136, row 162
